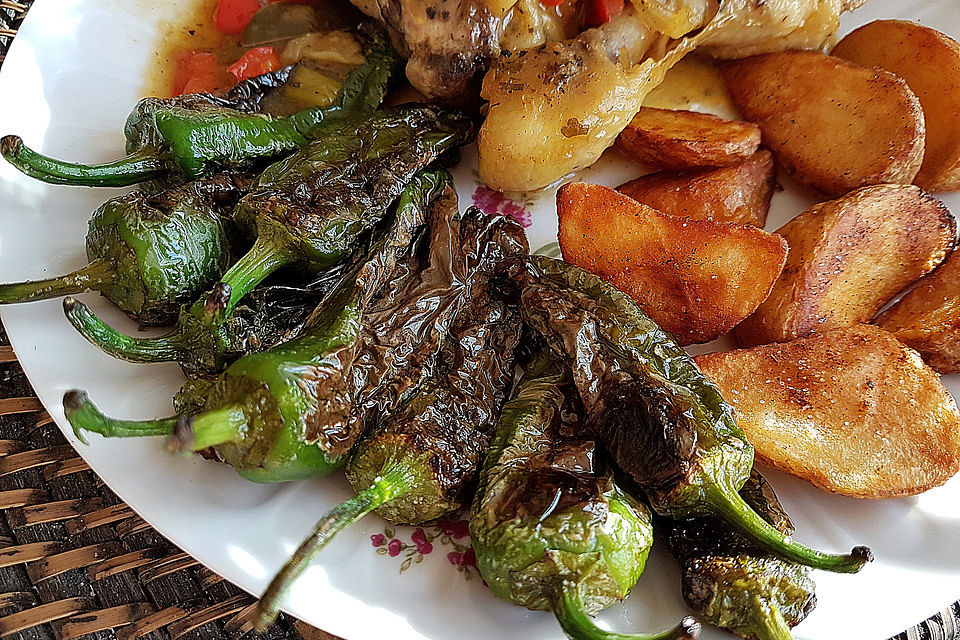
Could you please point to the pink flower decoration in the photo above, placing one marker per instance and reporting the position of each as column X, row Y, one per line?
column 469, row 558
column 455, row 558
column 494, row 203
column 393, row 549
column 378, row 539
column 455, row 529
column 419, row 538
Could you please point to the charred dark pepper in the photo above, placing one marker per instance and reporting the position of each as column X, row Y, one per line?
column 734, row 583
column 193, row 136
column 307, row 210
column 662, row 421
column 150, row 253
column 549, row 532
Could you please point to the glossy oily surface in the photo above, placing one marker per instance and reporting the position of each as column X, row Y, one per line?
column 73, row 73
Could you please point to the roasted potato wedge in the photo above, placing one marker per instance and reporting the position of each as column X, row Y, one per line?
column 831, row 124
column 696, row 278
column 928, row 317
column 851, row 410
column 848, row 258
column 739, row 193
column 680, row 140
column 929, row 61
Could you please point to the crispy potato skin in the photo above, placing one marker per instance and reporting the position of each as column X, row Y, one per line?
column 739, row 193
column 696, row 278
column 850, row 410
column 831, row 124
column 928, row 317
column 681, row 140
column 849, row 257
column 929, row 61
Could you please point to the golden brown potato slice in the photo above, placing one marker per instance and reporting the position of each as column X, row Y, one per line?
column 929, row 61
column 848, row 258
column 679, row 140
column 831, row 124
column 928, row 318
column 696, row 278
column 739, row 193
column 851, row 410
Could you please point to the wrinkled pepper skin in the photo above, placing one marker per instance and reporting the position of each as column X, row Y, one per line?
column 192, row 136
column 663, row 422
column 734, row 584
column 150, row 253
column 257, row 415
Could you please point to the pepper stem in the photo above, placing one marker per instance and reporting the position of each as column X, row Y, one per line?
column 267, row 254
column 771, row 625
column 579, row 626
column 728, row 505
column 391, row 483
column 86, row 278
column 83, row 415
column 161, row 349
column 139, row 166
column 208, row 429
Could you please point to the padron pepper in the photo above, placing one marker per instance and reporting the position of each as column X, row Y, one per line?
column 731, row 581
column 549, row 532
column 417, row 463
column 197, row 135
column 149, row 253
column 309, row 211
column 663, row 422
column 259, row 414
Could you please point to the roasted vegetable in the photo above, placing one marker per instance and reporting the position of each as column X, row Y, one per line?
column 851, row 410
column 417, row 461
column 309, row 210
column 849, row 257
column 150, row 253
column 734, row 584
column 663, row 422
column 695, row 278
column 830, row 124
column 191, row 136
column 550, row 532
column 261, row 415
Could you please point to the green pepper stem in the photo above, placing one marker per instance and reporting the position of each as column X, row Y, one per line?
column 83, row 415
column 161, row 349
column 267, row 254
column 771, row 625
column 391, row 483
column 139, row 166
column 729, row 505
column 209, row 428
column 86, row 278
column 579, row 626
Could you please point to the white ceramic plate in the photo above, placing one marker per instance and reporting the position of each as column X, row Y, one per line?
column 72, row 75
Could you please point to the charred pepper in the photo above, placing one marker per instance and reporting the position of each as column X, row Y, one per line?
column 196, row 135
column 308, row 210
column 150, row 253
column 260, row 412
column 734, row 583
column 549, row 532
column 663, row 422
column 416, row 464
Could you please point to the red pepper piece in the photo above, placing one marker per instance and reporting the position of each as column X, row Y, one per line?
column 233, row 16
column 551, row 3
column 199, row 71
column 254, row 63
column 598, row 12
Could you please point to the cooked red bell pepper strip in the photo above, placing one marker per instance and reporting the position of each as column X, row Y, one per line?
column 598, row 12
column 233, row 16
column 254, row 63
column 198, row 72
column 551, row 3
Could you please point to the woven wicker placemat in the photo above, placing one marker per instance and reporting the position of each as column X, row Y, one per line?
column 75, row 561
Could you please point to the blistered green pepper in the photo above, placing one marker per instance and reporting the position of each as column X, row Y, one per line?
column 663, row 422
column 260, row 415
column 735, row 584
column 193, row 136
column 150, row 253
column 550, row 533
column 308, row 210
